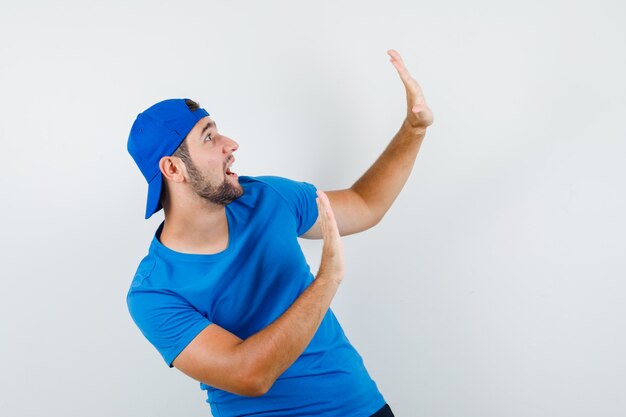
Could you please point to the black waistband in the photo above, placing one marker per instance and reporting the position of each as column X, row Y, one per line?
column 383, row 412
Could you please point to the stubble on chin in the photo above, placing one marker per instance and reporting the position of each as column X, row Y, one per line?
column 223, row 195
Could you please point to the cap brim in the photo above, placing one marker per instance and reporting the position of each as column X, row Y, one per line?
column 154, row 195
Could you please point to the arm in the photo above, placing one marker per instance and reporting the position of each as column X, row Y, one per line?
column 249, row 367
column 365, row 203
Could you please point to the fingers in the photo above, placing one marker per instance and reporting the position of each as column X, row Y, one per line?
column 416, row 104
column 332, row 263
column 397, row 62
column 395, row 56
column 324, row 202
column 325, row 211
column 413, row 89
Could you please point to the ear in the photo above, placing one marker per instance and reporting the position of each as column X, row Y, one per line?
column 173, row 168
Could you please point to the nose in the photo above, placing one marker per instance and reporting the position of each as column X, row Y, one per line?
column 229, row 145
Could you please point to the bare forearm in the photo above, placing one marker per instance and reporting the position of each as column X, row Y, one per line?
column 382, row 182
column 275, row 348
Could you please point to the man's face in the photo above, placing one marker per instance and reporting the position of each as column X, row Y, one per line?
column 212, row 154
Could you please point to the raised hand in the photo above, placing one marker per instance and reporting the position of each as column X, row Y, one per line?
column 332, row 263
column 419, row 115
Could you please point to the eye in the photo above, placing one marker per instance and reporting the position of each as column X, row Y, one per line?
column 208, row 137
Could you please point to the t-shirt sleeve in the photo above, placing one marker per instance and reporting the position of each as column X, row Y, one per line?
column 167, row 320
column 300, row 198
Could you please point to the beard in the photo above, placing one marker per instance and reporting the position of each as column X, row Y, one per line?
column 222, row 194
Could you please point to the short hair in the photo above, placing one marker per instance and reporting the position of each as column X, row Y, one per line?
column 181, row 152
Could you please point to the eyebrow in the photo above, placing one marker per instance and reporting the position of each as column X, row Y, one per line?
column 208, row 125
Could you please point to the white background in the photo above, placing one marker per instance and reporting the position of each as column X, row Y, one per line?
column 493, row 287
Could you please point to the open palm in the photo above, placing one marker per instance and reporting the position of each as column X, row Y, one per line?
column 419, row 114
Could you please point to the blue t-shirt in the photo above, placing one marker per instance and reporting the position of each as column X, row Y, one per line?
column 243, row 289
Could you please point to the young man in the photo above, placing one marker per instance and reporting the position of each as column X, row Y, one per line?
column 225, row 294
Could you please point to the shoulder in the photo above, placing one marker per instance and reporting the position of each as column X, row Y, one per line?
column 154, row 270
column 143, row 272
column 265, row 180
column 281, row 185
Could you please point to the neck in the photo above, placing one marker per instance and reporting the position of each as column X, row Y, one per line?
column 195, row 228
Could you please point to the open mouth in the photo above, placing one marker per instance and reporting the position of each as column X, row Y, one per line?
column 229, row 172
column 229, row 162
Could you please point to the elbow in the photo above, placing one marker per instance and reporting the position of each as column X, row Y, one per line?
column 377, row 219
column 373, row 216
column 364, row 225
column 257, row 381
column 373, row 220
column 244, row 387
column 253, row 376
column 260, row 390
column 257, row 386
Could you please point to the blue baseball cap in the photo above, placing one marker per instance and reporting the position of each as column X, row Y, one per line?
column 158, row 132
